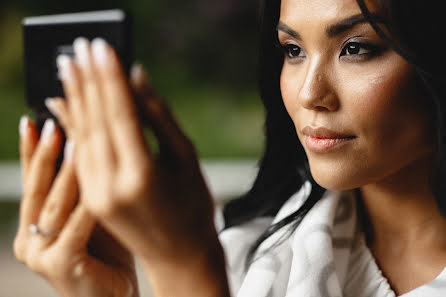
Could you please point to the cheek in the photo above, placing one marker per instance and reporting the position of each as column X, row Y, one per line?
column 389, row 110
column 289, row 87
column 391, row 118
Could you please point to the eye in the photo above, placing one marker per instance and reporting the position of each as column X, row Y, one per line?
column 292, row 51
column 359, row 49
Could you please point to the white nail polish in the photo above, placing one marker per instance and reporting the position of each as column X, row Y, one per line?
column 136, row 71
column 52, row 106
column 23, row 126
column 81, row 49
column 48, row 130
column 64, row 66
column 68, row 150
column 100, row 50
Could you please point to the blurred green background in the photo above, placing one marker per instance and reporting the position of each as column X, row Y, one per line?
column 201, row 55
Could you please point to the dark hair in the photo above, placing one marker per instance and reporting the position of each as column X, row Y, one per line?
column 283, row 167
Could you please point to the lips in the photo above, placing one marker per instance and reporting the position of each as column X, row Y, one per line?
column 322, row 132
column 322, row 140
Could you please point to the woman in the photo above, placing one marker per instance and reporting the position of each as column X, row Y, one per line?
column 354, row 105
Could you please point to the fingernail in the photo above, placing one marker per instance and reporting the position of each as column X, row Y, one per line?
column 48, row 130
column 81, row 49
column 68, row 150
column 51, row 104
column 136, row 71
column 100, row 50
column 64, row 66
column 23, row 125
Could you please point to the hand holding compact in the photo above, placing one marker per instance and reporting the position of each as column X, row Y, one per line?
column 157, row 204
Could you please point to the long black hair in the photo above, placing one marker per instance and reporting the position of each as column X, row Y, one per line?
column 283, row 167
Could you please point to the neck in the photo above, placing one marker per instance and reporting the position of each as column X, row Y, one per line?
column 400, row 211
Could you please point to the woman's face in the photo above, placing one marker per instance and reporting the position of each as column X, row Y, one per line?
column 338, row 74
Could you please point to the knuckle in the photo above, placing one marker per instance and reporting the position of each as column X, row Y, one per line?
column 77, row 270
column 91, row 88
column 137, row 184
column 106, row 210
column 19, row 249
column 33, row 261
column 37, row 192
column 56, row 265
column 52, row 207
column 134, row 180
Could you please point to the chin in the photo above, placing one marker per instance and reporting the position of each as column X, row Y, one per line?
column 337, row 178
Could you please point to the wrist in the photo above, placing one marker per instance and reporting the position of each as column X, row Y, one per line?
column 201, row 274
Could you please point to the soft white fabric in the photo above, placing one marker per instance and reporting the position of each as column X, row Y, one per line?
column 326, row 256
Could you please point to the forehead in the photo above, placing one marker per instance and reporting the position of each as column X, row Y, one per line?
column 320, row 11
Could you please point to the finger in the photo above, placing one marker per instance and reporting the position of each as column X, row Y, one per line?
column 140, row 81
column 99, row 144
column 72, row 85
column 120, row 112
column 61, row 199
column 41, row 173
column 141, row 86
column 77, row 230
column 59, row 109
column 93, row 108
column 157, row 114
column 28, row 143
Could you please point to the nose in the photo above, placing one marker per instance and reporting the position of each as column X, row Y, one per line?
column 317, row 92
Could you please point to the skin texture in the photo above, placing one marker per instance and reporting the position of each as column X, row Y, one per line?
column 377, row 99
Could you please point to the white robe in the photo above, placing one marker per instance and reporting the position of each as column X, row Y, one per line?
column 326, row 256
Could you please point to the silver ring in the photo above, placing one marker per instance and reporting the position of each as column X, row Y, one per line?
column 36, row 230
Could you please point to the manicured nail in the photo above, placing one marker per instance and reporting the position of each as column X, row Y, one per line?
column 81, row 49
column 136, row 71
column 64, row 66
column 48, row 130
column 100, row 50
column 68, row 150
column 51, row 104
column 23, row 126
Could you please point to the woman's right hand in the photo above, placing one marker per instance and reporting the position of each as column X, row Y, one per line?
column 71, row 251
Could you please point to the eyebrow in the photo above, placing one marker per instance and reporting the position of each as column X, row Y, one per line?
column 337, row 28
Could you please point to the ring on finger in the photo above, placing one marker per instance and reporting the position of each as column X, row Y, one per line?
column 36, row 230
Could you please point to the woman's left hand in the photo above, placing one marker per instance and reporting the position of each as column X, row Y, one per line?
column 156, row 204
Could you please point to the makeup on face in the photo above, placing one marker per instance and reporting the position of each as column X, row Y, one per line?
column 322, row 140
column 355, row 103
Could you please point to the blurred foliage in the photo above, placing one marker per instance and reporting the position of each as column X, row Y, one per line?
column 201, row 55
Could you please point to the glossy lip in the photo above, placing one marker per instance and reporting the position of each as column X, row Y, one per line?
column 322, row 132
column 322, row 140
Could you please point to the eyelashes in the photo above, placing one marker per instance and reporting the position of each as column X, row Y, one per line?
column 360, row 49
column 353, row 50
column 291, row 51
